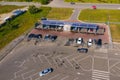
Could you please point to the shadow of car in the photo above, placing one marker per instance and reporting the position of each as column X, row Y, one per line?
column 82, row 50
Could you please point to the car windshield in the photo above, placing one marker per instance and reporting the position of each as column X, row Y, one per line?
column 45, row 71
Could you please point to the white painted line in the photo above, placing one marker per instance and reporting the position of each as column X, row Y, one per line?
column 63, row 63
column 117, row 67
column 97, row 74
column 40, row 59
column 83, row 58
column 101, row 77
column 22, row 63
column 33, row 58
column 69, row 56
column 95, row 79
column 37, row 79
column 54, row 77
column 69, row 62
column 96, row 56
column 64, row 78
column 76, row 78
column 22, row 77
column 27, row 72
column 47, row 60
column 99, row 71
column 19, row 71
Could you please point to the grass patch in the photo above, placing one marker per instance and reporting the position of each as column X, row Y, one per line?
column 8, row 8
column 20, row 25
column 101, row 15
column 115, row 29
column 94, row 1
column 60, row 13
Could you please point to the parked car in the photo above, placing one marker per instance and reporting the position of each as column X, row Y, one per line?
column 72, row 3
column 82, row 50
column 8, row 18
column 38, row 36
column 90, row 42
column 99, row 42
column 94, row 7
column 18, row 12
column 46, row 71
column 79, row 40
column 47, row 37
column 53, row 37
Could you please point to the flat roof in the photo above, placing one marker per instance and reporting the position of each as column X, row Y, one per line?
column 73, row 24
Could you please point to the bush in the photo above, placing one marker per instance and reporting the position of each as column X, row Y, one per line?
column 32, row 9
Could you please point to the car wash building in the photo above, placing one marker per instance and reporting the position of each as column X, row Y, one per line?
column 69, row 26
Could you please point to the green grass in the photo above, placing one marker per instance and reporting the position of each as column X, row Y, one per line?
column 20, row 25
column 94, row 1
column 8, row 8
column 101, row 15
column 60, row 13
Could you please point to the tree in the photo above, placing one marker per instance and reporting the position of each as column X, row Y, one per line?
column 32, row 9
column 29, row 0
column 44, row 1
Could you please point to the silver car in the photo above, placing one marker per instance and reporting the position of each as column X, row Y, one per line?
column 46, row 71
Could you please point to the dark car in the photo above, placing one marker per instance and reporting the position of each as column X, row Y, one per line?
column 72, row 3
column 99, row 42
column 31, row 35
column 38, row 36
column 43, row 18
column 82, row 50
column 53, row 37
column 47, row 37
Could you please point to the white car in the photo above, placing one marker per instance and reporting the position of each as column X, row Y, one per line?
column 90, row 42
column 79, row 40
column 46, row 71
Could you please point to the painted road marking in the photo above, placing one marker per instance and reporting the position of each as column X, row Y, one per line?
column 64, row 78
column 54, row 77
column 99, row 75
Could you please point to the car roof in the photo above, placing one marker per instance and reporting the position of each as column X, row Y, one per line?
column 90, row 40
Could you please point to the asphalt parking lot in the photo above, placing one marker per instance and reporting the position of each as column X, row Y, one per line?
column 27, row 60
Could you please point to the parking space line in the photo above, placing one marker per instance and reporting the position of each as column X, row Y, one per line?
column 114, row 64
column 117, row 67
column 37, row 79
column 69, row 62
column 47, row 60
column 33, row 58
column 54, row 77
column 22, row 63
column 100, row 57
column 16, row 73
column 64, row 78
column 22, row 77
column 83, row 58
column 98, row 74
column 63, row 63
column 40, row 58
column 69, row 56
column 76, row 78
column 27, row 72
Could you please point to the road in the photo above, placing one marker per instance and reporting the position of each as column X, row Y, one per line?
column 61, row 3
